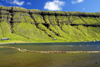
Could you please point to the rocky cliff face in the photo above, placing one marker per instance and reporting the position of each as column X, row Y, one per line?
column 22, row 24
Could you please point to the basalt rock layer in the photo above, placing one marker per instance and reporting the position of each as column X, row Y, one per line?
column 19, row 23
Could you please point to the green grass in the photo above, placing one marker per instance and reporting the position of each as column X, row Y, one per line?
column 50, row 33
column 89, row 33
column 5, row 27
column 57, row 30
column 35, row 11
column 5, row 30
column 4, row 7
column 63, row 20
column 29, row 31
column 76, row 20
column 1, row 33
column 98, row 19
column 46, row 17
column 74, row 13
column 17, row 16
column 20, row 9
column 48, row 12
column 96, row 32
column 5, row 17
column 27, row 19
column 60, row 13
column 21, row 14
column 74, row 33
column 50, row 19
column 4, row 12
column 22, row 17
column 24, row 28
column 91, row 20
column 38, row 18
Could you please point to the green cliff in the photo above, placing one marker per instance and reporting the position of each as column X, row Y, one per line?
column 20, row 24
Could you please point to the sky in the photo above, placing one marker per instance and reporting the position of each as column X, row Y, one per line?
column 55, row 5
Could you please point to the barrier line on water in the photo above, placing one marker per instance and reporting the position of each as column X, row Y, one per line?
column 24, row 50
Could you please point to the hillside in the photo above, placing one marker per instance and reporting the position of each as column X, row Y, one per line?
column 32, row 25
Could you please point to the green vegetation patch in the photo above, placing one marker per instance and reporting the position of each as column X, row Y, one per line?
column 74, row 33
column 4, row 12
column 88, row 14
column 27, row 19
column 76, row 20
column 5, row 27
column 63, row 20
column 5, row 30
column 29, row 31
column 46, row 18
column 96, row 31
column 48, row 12
column 88, row 33
column 50, row 19
column 60, row 13
column 5, row 17
column 21, row 14
column 6, row 8
column 98, row 19
column 90, row 20
column 50, row 33
column 17, row 18
column 22, row 17
column 73, row 13
column 1, row 32
column 35, row 11
column 38, row 18
column 58, row 31
column 20, row 9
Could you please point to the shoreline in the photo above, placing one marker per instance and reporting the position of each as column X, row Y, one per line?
column 17, row 42
column 25, row 50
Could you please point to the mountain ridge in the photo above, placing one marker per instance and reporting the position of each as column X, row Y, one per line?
column 34, row 25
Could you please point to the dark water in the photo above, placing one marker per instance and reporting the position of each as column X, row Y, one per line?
column 74, row 46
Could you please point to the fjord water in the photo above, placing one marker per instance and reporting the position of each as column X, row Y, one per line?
column 15, row 58
column 74, row 46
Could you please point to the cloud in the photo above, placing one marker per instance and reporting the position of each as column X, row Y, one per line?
column 73, row 2
column 77, row 1
column 54, row 5
column 28, row 3
column 15, row 2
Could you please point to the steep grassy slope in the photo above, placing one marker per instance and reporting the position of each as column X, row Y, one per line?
column 56, row 29
column 22, row 17
column 75, row 33
column 91, row 20
column 88, row 33
column 76, row 20
column 50, row 19
column 5, row 30
column 38, row 18
column 34, row 25
column 29, row 31
column 63, row 20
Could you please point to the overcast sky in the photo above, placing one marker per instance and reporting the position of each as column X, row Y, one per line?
column 56, row 5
